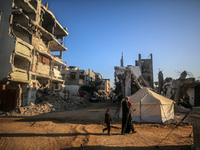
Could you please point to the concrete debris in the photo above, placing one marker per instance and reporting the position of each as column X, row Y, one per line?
column 54, row 102
column 178, row 117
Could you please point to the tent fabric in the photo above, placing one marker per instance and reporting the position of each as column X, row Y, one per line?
column 151, row 107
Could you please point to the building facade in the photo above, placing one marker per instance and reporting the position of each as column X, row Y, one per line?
column 75, row 76
column 105, row 86
column 146, row 67
column 98, row 77
column 29, row 32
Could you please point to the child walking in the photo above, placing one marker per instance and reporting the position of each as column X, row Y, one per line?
column 107, row 121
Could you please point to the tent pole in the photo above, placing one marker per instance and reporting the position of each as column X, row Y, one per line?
column 140, row 111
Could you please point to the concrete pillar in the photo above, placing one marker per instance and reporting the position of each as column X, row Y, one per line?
column 122, row 61
column 178, row 91
column 61, row 55
column 151, row 72
column 139, row 62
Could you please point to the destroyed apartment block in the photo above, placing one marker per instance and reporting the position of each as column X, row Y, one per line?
column 146, row 67
column 29, row 32
column 129, row 79
column 132, row 78
column 184, row 91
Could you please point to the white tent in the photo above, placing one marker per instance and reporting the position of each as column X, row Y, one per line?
column 151, row 107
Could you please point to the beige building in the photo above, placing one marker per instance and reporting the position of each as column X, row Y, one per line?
column 75, row 76
column 98, row 77
column 91, row 75
column 29, row 32
column 105, row 86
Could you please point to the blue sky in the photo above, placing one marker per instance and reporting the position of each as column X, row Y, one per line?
column 100, row 30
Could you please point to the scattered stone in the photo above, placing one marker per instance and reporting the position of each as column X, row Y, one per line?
column 54, row 102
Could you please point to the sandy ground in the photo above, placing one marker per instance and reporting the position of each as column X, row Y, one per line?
column 82, row 129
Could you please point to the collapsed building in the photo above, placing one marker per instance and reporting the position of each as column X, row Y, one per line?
column 29, row 32
column 132, row 78
column 146, row 68
column 184, row 91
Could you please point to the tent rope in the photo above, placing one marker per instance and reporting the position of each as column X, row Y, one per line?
column 174, row 128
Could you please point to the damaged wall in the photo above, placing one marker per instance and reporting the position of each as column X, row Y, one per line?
column 191, row 94
column 39, row 45
column 129, row 79
column 184, row 91
column 25, row 56
column 146, row 67
column 43, row 69
column 21, row 63
column 76, row 76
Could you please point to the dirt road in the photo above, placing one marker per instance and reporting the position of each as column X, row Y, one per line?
column 82, row 129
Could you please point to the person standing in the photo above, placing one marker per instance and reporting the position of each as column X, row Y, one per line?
column 107, row 121
column 130, row 123
column 127, row 124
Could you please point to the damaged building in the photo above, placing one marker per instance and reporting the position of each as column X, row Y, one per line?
column 29, row 32
column 105, row 86
column 132, row 78
column 75, row 78
column 127, row 79
column 146, row 68
column 184, row 91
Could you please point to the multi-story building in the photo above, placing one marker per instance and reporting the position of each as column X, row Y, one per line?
column 29, row 32
column 146, row 67
column 75, row 76
column 105, row 85
column 91, row 75
column 98, row 77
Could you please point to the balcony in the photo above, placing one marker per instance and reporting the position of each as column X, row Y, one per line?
column 25, row 5
column 23, row 48
column 19, row 75
column 43, row 69
column 54, row 45
column 57, row 74
column 57, row 61
column 49, row 18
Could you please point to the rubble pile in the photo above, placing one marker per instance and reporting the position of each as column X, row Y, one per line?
column 177, row 119
column 54, row 102
column 32, row 110
column 62, row 102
